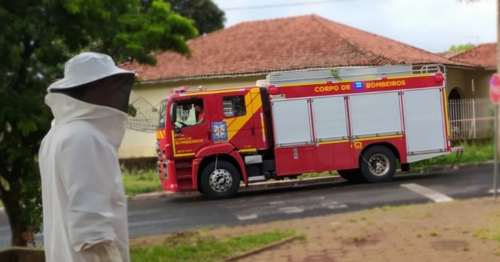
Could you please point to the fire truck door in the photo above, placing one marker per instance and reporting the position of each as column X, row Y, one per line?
column 236, row 111
column 192, row 131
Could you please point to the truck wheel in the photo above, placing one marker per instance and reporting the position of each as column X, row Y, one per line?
column 352, row 175
column 222, row 182
column 378, row 164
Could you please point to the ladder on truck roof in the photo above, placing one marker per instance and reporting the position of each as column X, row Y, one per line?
column 347, row 73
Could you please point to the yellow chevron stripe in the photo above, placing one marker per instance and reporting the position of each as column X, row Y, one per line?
column 252, row 107
column 248, row 101
column 160, row 134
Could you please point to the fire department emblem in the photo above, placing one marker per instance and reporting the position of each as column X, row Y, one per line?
column 219, row 131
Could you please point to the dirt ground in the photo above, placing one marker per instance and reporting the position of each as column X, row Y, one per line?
column 454, row 231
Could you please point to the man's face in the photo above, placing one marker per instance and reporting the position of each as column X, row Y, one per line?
column 112, row 92
column 198, row 108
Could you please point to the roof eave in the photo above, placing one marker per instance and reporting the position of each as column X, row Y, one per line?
column 233, row 75
column 263, row 72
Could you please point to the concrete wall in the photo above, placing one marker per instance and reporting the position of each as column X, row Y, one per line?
column 470, row 83
column 481, row 82
column 141, row 144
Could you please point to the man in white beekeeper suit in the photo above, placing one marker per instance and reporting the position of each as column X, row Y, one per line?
column 84, row 205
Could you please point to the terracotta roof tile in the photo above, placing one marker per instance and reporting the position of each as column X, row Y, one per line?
column 483, row 55
column 449, row 54
column 283, row 44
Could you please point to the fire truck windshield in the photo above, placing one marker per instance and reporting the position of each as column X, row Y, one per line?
column 188, row 113
column 161, row 123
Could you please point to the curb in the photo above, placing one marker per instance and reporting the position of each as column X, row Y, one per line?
column 297, row 182
column 261, row 249
column 459, row 166
column 260, row 185
column 163, row 194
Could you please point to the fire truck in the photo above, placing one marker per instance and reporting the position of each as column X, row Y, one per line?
column 360, row 121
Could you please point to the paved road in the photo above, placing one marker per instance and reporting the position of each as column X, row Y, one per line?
column 174, row 214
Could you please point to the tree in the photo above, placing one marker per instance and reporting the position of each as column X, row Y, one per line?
column 461, row 47
column 206, row 14
column 37, row 37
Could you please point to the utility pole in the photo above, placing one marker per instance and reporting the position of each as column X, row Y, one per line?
column 497, row 144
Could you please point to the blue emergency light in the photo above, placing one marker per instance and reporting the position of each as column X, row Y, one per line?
column 358, row 85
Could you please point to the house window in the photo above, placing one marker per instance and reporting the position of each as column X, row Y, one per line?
column 234, row 106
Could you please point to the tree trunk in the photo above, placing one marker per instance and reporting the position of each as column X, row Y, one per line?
column 12, row 206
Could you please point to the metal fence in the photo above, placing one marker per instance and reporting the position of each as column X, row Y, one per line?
column 471, row 118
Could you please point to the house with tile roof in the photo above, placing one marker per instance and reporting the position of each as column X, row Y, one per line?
column 475, row 80
column 483, row 56
column 244, row 53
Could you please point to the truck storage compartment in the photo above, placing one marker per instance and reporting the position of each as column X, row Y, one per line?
column 375, row 114
column 331, row 132
column 295, row 150
column 425, row 121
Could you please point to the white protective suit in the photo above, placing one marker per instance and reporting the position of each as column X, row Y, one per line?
column 83, row 197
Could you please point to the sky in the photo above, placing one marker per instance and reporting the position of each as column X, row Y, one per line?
column 432, row 25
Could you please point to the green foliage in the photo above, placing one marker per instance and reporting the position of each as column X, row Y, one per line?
column 206, row 14
column 198, row 246
column 37, row 38
column 335, row 73
column 132, row 111
column 461, row 47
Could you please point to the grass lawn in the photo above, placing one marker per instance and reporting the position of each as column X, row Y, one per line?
column 141, row 183
column 473, row 153
column 203, row 246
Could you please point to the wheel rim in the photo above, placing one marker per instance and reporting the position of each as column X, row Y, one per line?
column 220, row 180
column 379, row 164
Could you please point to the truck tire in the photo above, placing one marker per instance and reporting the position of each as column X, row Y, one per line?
column 378, row 164
column 352, row 175
column 222, row 182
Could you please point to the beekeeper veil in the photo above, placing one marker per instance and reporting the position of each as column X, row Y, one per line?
column 94, row 78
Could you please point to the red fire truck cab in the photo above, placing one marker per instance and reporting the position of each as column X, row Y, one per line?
column 358, row 121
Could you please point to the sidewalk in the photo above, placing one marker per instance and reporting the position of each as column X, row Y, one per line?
column 455, row 231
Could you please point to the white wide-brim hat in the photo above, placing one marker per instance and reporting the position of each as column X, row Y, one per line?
column 85, row 68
